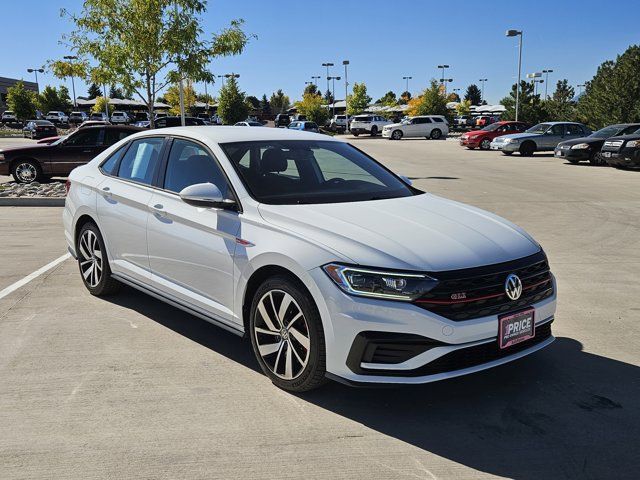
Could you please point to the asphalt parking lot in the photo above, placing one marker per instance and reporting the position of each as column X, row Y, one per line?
column 132, row 388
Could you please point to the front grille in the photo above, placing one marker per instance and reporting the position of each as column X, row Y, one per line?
column 613, row 143
column 479, row 292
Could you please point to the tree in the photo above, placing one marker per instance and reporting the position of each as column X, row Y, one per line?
column 145, row 45
column 312, row 106
column 279, row 102
column 405, row 97
column 52, row 98
column 473, row 94
column 561, row 105
column 116, row 92
column 358, row 100
column 265, row 106
column 388, row 99
column 94, row 91
column 100, row 105
column 232, row 105
column 430, row 102
column 613, row 94
column 312, row 88
column 172, row 97
column 254, row 102
column 463, row 108
column 453, row 97
column 21, row 101
column 530, row 111
column 328, row 97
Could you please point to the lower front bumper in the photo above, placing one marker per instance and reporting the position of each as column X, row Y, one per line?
column 578, row 155
column 358, row 131
column 627, row 157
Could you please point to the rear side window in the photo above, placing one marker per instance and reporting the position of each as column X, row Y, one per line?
column 111, row 165
column 140, row 163
column 437, row 119
column 85, row 138
column 574, row 129
column 113, row 135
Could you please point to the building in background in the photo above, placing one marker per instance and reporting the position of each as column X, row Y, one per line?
column 6, row 83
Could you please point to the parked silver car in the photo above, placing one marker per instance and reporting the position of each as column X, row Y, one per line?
column 539, row 138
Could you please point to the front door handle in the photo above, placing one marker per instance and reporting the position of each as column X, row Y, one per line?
column 158, row 209
column 106, row 191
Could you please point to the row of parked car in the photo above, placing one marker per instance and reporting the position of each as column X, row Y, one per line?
column 617, row 145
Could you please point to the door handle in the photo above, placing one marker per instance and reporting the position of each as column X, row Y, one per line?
column 106, row 191
column 158, row 209
column 87, row 151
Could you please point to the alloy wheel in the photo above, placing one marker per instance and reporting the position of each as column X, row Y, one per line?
column 26, row 172
column 90, row 258
column 282, row 334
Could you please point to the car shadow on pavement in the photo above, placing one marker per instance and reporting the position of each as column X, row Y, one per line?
column 559, row 413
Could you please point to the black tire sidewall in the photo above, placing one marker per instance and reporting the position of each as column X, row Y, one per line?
column 38, row 176
column 436, row 134
column 106, row 269
column 488, row 144
column 393, row 135
column 314, row 373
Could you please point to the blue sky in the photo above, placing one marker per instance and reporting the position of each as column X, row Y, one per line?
column 384, row 40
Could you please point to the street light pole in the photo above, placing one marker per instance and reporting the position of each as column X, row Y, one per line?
column 546, row 85
column 333, row 104
column 36, row 70
column 406, row 79
column 346, row 95
column 315, row 79
column 73, row 86
column 517, row 33
column 482, row 80
column 328, row 65
column 444, row 82
column 442, row 77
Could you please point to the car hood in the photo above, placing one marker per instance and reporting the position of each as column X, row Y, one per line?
column 422, row 232
column 22, row 149
column 392, row 125
column 575, row 141
column 476, row 132
column 502, row 138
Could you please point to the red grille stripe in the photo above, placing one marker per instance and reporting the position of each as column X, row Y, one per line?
column 485, row 297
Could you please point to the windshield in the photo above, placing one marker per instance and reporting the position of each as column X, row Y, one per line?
column 301, row 171
column 540, row 128
column 492, row 127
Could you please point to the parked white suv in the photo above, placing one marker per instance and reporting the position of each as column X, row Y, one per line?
column 371, row 124
column 120, row 117
column 9, row 117
column 338, row 123
column 330, row 263
column 57, row 117
column 428, row 126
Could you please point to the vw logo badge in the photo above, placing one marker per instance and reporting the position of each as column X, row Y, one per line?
column 513, row 287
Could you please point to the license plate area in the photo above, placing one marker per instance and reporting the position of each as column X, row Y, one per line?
column 515, row 328
column 606, row 154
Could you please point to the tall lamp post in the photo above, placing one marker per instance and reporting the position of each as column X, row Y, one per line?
column 546, row 82
column 444, row 82
column 482, row 80
column 333, row 105
column 443, row 67
column 346, row 95
column 73, row 86
column 315, row 79
column 328, row 65
column 517, row 33
column 36, row 70
column 406, row 79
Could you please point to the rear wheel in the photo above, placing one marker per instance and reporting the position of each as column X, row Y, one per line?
column 485, row 144
column 93, row 262
column 436, row 133
column 397, row 134
column 374, row 131
column 27, row 171
column 508, row 154
column 287, row 335
column 355, row 134
column 527, row 149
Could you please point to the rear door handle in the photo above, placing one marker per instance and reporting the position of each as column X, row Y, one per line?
column 106, row 191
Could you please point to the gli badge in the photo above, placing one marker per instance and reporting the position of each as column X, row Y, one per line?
column 513, row 287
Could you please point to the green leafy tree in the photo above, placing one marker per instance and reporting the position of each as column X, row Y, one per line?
column 388, row 99
column 116, row 92
column 531, row 109
column 312, row 106
column 561, row 105
column 279, row 102
column 613, row 94
column 265, row 106
column 52, row 98
column 312, row 88
column 358, row 101
column 254, row 102
column 328, row 97
column 94, row 91
column 101, row 106
column 430, row 102
column 172, row 97
column 453, row 97
column 405, row 98
column 463, row 108
column 21, row 101
column 145, row 45
column 473, row 94
column 232, row 104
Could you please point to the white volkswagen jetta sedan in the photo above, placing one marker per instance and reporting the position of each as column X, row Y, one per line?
column 331, row 264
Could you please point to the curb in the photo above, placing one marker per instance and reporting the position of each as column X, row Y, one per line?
column 31, row 202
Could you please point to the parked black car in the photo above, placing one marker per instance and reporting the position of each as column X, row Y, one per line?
column 282, row 120
column 588, row 148
column 37, row 162
column 165, row 122
column 622, row 151
column 39, row 129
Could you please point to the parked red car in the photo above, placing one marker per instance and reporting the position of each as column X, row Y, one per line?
column 482, row 138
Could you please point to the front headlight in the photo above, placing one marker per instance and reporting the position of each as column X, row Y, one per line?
column 384, row 284
column 630, row 144
column 580, row 146
column 1, row 157
column 511, row 140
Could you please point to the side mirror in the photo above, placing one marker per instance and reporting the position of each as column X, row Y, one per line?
column 206, row 195
column 406, row 180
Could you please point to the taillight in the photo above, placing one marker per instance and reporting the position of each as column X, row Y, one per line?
column 67, row 186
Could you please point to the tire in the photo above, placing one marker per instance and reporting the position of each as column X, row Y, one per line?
column 527, row 149
column 374, row 131
column 573, row 161
column 396, row 135
column 436, row 134
column 485, row 144
column 597, row 159
column 93, row 262
column 508, row 154
column 470, row 148
column 355, row 134
column 26, row 171
column 295, row 362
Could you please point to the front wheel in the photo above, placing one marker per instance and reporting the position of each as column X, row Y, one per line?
column 355, row 134
column 93, row 262
column 485, row 144
column 436, row 133
column 527, row 149
column 287, row 335
column 508, row 154
column 597, row 159
column 374, row 131
column 397, row 134
column 27, row 171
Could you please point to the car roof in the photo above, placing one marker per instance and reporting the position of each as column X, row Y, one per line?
column 114, row 127
column 563, row 123
column 228, row 134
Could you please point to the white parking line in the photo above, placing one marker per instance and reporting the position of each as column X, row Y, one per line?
column 20, row 283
